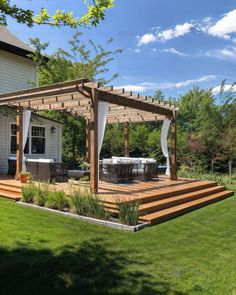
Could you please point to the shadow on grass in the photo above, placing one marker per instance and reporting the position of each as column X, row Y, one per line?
column 91, row 269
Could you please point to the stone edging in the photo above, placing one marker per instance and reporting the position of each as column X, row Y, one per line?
column 90, row 219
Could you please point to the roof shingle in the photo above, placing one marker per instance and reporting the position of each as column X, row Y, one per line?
column 11, row 43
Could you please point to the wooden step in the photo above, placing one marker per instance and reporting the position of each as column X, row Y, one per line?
column 10, row 195
column 170, row 201
column 177, row 200
column 4, row 187
column 169, row 213
column 176, row 191
column 11, row 183
column 161, row 193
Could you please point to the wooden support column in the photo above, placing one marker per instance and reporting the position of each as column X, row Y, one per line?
column 94, row 161
column 19, row 141
column 173, row 172
column 126, row 133
column 88, row 141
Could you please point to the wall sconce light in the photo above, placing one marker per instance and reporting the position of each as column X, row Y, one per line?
column 53, row 129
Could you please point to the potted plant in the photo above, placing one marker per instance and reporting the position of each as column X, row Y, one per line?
column 85, row 166
column 24, row 177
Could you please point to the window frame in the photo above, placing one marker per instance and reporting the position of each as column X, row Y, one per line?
column 41, row 126
column 30, row 139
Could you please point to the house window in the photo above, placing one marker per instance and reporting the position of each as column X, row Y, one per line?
column 13, row 138
column 13, row 141
column 38, row 140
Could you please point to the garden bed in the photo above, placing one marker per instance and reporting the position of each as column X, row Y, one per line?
column 82, row 204
column 107, row 223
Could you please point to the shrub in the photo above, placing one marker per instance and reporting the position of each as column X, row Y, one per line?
column 41, row 195
column 88, row 204
column 28, row 193
column 128, row 212
column 57, row 200
column 184, row 173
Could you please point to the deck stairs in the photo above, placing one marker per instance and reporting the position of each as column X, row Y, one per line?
column 163, row 204
column 10, row 190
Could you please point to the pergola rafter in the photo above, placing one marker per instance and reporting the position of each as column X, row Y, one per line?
column 80, row 98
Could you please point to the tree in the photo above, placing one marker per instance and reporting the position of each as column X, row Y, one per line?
column 81, row 61
column 200, row 119
column 159, row 95
column 96, row 10
column 227, row 100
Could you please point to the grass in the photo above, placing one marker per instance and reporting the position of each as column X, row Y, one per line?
column 221, row 179
column 43, row 253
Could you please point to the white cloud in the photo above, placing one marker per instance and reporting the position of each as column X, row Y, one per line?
column 146, row 38
column 225, row 53
column 135, row 50
column 165, row 35
column 141, row 87
column 227, row 87
column 178, row 31
column 225, row 26
column 174, row 51
column 128, row 77
column 193, row 81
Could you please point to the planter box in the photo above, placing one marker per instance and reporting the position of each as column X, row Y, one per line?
column 107, row 223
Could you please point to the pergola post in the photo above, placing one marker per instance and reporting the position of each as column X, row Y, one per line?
column 19, row 141
column 126, row 134
column 173, row 172
column 87, row 141
column 94, row 161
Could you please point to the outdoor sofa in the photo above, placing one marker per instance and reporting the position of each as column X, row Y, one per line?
column 116, row 172
column 42, row 169
column 127, row 169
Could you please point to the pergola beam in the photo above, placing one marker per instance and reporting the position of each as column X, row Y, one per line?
column 19, row 141
column 132, row 103
column 173, row 171
column 54, row 100
column 43, row 89
column 126, row 135
column 94, row 157
column 87, row 135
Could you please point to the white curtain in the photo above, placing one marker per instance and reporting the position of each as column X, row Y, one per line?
column 164, row 145
column 102, row 116
column 26, row 123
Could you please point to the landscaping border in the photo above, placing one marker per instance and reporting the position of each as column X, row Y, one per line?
column 106, row 223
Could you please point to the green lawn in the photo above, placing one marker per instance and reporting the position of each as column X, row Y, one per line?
column 43, row 253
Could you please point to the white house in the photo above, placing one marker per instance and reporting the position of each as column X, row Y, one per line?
column 17, row 72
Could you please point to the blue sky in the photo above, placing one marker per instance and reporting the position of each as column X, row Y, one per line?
column 168, row 44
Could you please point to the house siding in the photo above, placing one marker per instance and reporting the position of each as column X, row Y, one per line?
column 53, row 140
column 16, row 72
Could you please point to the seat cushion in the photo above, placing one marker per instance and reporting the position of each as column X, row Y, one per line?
column 107, row 161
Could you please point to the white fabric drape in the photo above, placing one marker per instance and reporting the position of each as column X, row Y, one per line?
column 25, row 129
column 164, row 145
column 102, row 116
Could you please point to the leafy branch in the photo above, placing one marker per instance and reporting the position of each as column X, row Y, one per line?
column 96, row 10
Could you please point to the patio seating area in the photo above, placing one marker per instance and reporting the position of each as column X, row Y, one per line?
column 42, row 169
column 127, row 169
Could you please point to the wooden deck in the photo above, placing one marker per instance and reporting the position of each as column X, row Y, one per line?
column 159, row 200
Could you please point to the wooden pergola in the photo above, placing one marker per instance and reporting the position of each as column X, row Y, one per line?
column 81, row 97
